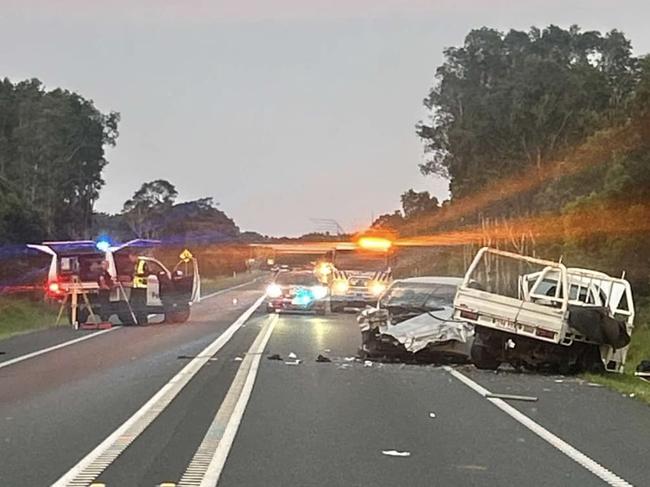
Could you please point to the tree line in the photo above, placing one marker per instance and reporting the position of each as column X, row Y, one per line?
column 51, row 161
column 544, row 137
column 52, row 155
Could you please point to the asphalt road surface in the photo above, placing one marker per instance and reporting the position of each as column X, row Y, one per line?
column 201, row 401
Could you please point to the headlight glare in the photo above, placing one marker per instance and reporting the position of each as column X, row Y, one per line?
column 273, row 291
column 319, row 292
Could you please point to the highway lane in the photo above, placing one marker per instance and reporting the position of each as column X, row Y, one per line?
column 323, row 424
column 314, row 424
column 56, row 407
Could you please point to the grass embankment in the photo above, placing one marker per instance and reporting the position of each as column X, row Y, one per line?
column 18, row 315
column 214, row 284
column 627, row 383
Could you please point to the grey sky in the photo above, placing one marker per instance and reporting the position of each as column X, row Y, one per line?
column 280, row 110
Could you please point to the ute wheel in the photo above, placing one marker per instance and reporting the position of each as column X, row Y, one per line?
column 179, row 315
column 126, row 318
column 483, row 359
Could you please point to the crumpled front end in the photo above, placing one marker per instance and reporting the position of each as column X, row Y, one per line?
column 427, row 337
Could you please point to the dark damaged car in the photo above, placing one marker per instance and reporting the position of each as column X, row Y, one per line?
column 413, row 322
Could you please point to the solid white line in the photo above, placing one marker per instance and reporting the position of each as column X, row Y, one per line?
column 594, row 467
column 16, row 360
column 217, row 293
column 221, row 434
column 95, row 462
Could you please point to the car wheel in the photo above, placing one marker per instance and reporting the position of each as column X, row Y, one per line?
column 483, row 358
column 178, row 315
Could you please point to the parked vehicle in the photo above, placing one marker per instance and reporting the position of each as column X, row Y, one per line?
column 139, row 285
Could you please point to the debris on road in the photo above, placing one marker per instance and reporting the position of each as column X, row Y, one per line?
column 395, row 453
column 275, row 356
column 350, row 359
column 344, row 366
column 292, row 362
column 293, row 356
column 327, row 350
column 558, row 381
column 367, row 363
column 511, row 397
column 238, row 359
column 323, row 359
column 593, row 384
column 432, row 415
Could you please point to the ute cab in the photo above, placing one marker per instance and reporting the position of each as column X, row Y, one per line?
column 140, row 284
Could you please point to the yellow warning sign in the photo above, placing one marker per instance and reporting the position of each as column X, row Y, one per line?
column 186, row 255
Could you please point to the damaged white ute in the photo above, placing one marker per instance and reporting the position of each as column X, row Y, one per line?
column 413, row 322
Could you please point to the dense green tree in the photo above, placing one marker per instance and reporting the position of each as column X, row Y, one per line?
column 145, row 211
column 503, row 104
column 52, row 154
column 416, row 203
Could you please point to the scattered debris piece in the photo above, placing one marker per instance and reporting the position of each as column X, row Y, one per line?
column 546, row 390
column 395, row 453
column 350, row 359
column 472, row 467
column 558, row 381
column 632, row 395
column 367, row 363
column 327, row 350
column 238, row 359
column 432, row 415
column 293, row 362
column 322, row 358
column 293, row 356
column 235, row 301
column 511, row 397
column 344, row 366
column 3, row 353
column 593, row 384
column 275, row 356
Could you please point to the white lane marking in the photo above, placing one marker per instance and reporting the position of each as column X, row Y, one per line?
column 95, row 462
column 594, row 467
column 16, row 360
column 208, row 296
column 207, row 463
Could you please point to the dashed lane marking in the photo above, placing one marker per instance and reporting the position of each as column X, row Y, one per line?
column 207, row 463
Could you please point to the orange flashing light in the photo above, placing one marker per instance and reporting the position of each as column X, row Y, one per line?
column 374, row 243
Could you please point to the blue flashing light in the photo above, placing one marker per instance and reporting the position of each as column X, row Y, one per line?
column 303, row 297
column 103, row 244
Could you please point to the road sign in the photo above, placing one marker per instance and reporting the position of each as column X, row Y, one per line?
column 186, row 255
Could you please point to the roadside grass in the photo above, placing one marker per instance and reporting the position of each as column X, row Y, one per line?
column 214, row 284
column 628, row 383
column 19, row 315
